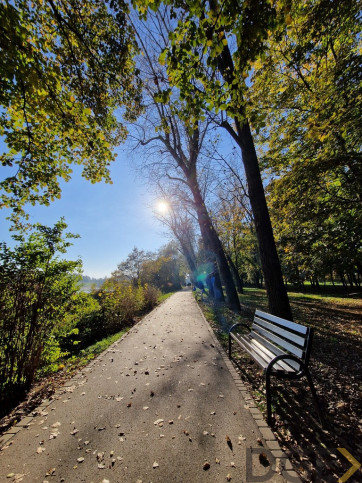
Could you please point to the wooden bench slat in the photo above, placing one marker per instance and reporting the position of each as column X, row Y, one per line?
column 275, row 350
column 302, row 329
column 260, row 354
column 295, row 339
column 281, row 366
column 246, row 346
column 280, row 342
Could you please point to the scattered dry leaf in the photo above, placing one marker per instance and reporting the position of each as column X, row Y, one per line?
column 206, row 466
column 155, row 465
column 228, row 477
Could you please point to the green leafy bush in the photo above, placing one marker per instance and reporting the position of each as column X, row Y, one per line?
column 36, row 294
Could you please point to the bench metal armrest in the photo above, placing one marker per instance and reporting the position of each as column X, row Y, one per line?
column 284, row 357
column 239, row 324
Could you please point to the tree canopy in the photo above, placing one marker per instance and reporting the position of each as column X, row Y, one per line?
column 67, row 78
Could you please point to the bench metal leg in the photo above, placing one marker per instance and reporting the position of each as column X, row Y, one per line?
column 268, row 397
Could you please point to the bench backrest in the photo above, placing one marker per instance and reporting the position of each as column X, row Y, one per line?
column 281, row 336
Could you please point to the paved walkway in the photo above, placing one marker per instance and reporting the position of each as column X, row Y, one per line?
column 160, row 405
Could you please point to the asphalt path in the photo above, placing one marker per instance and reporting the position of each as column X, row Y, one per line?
column 160, row 405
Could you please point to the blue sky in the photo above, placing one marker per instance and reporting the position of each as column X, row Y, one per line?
column 110, row 218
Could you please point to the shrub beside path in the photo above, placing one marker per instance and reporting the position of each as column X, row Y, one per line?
column 160, row 405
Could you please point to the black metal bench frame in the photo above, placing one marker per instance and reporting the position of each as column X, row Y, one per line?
column 282, row 348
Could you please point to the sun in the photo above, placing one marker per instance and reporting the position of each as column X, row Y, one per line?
column 162, row 207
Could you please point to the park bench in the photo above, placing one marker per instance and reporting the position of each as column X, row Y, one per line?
column 282, row 348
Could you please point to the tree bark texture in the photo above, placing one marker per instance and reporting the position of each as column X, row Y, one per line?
column 213, row 243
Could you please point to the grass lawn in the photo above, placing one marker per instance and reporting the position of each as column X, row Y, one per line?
column 336, row 369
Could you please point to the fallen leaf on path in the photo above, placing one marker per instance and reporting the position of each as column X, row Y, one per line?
column 101, row 466
column 50, row 472
column 206, row 466
column 155, row 465
column 75, row 431
column 40, row 450
column 56, row 425
column 158, row 422
column 228, row 477
column 18, row 477
column 213, row 413
column 80, row 460
column 217, row 461
column 229, row 443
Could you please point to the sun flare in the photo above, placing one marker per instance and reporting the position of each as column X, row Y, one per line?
column 162, row 207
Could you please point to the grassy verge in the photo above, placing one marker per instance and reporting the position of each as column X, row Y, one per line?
column 164, row 296
column 86, row 355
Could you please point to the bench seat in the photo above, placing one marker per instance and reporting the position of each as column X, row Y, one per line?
column 281, row 347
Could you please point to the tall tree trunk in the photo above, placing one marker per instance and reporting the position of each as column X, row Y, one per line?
column 277, row 293
column 209, row 234
column 237, row 279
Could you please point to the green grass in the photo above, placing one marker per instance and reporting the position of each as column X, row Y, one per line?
column 86, row 355
column 164, row 296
